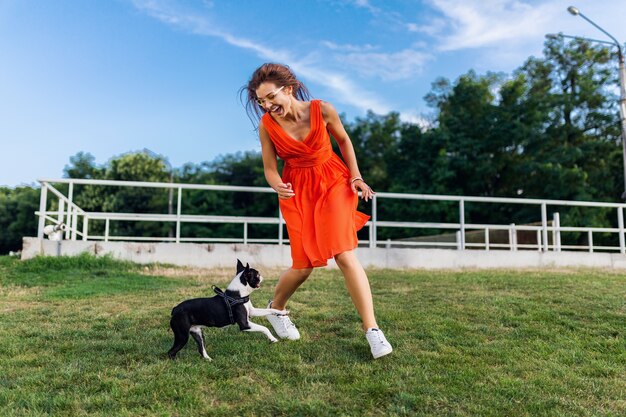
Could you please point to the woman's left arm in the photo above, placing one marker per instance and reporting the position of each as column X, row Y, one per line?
column 334, row 125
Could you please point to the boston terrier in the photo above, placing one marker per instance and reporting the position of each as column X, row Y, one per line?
column 226, row 308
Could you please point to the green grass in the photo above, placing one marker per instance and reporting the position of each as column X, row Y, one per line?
column 89, row 336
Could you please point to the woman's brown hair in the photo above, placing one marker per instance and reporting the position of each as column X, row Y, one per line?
column 279, row 74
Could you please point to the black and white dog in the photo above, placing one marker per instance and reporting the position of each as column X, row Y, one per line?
column 226, row 308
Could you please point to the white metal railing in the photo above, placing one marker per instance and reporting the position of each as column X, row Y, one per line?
column 69, row 214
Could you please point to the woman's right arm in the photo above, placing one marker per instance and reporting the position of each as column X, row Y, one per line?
column 270, row 166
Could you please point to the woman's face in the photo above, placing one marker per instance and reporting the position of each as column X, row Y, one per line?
column 274, row 99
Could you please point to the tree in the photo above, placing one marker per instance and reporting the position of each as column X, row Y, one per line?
column 132, row 166
column 576, row 152
column 17, row 216
column 245, row 169
column 549, row 131
column 375, row 139
column 83, row 165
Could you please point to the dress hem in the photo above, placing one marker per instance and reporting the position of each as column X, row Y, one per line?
column 309, row 265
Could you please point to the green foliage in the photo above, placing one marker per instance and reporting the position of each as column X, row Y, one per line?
column 575, row 151
column 238, row 169
column 549, row 131
column 376, row 138
column 244, row 169
column 133, row 166
column 17, row 216
column 83, row 165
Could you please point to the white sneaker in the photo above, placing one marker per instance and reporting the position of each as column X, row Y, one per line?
column 378, row 343
column 284, row 327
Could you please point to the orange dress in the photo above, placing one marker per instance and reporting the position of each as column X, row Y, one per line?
column 322, row 219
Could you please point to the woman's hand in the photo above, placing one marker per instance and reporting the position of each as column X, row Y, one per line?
column 366, row 191
column 284, row 191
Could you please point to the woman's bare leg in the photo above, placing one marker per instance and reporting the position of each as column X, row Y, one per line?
column 288, row 283
column 358, row 287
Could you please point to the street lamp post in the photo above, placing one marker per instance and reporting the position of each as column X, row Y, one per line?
column 622, row 84
column 580, row 38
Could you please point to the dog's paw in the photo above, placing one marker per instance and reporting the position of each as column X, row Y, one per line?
column 273, row 340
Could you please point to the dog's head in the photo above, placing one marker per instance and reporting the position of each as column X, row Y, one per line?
column 249, row 277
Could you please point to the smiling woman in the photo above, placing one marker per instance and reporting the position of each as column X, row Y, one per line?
column 317, row 191
column 275, row 74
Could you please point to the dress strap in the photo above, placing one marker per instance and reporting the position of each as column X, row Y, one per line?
column 316, row 113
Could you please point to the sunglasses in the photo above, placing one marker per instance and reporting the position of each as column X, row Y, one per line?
column 271, row 96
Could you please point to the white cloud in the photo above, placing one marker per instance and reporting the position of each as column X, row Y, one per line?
column 478, row 23
column 410, row 116
column 365, row 4
column 391, row 66
column 508, row 31
column 338, row 84
column 343, row 88
column 348, row 47
column 387, row 66
column 200, row 25
column 434, row 27
column 488, row 23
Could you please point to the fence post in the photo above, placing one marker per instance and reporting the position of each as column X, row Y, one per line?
column 373, row 236
column 620, row 223
column 85, row 227
column 458, row 240
column 280, row 227
column 74, row 224
column 512, row 237
column 179, row 210
column 486, row 238
column 556, row 231
column 245, row 233
column 106, row 230
column 70, row 198
column 544, row 226
column 61, row 214
column 43, row 200
column 590, row 239
column 462, row 223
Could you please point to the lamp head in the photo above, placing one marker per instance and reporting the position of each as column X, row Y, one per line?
column 573, row 11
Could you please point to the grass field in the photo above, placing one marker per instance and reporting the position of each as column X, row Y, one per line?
column 87, row 336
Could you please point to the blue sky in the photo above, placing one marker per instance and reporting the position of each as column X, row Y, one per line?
column 112, row 76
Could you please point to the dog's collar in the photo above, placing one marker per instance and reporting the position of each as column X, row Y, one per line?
column 230, row 301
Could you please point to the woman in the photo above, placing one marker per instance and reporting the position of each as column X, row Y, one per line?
column 318, row 193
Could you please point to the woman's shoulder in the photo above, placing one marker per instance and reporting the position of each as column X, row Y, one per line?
column 328, row 110
column 265, row 120
column 326, row 107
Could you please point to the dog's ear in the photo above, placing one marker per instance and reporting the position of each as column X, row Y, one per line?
column 247, row 266
column 240, row 266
